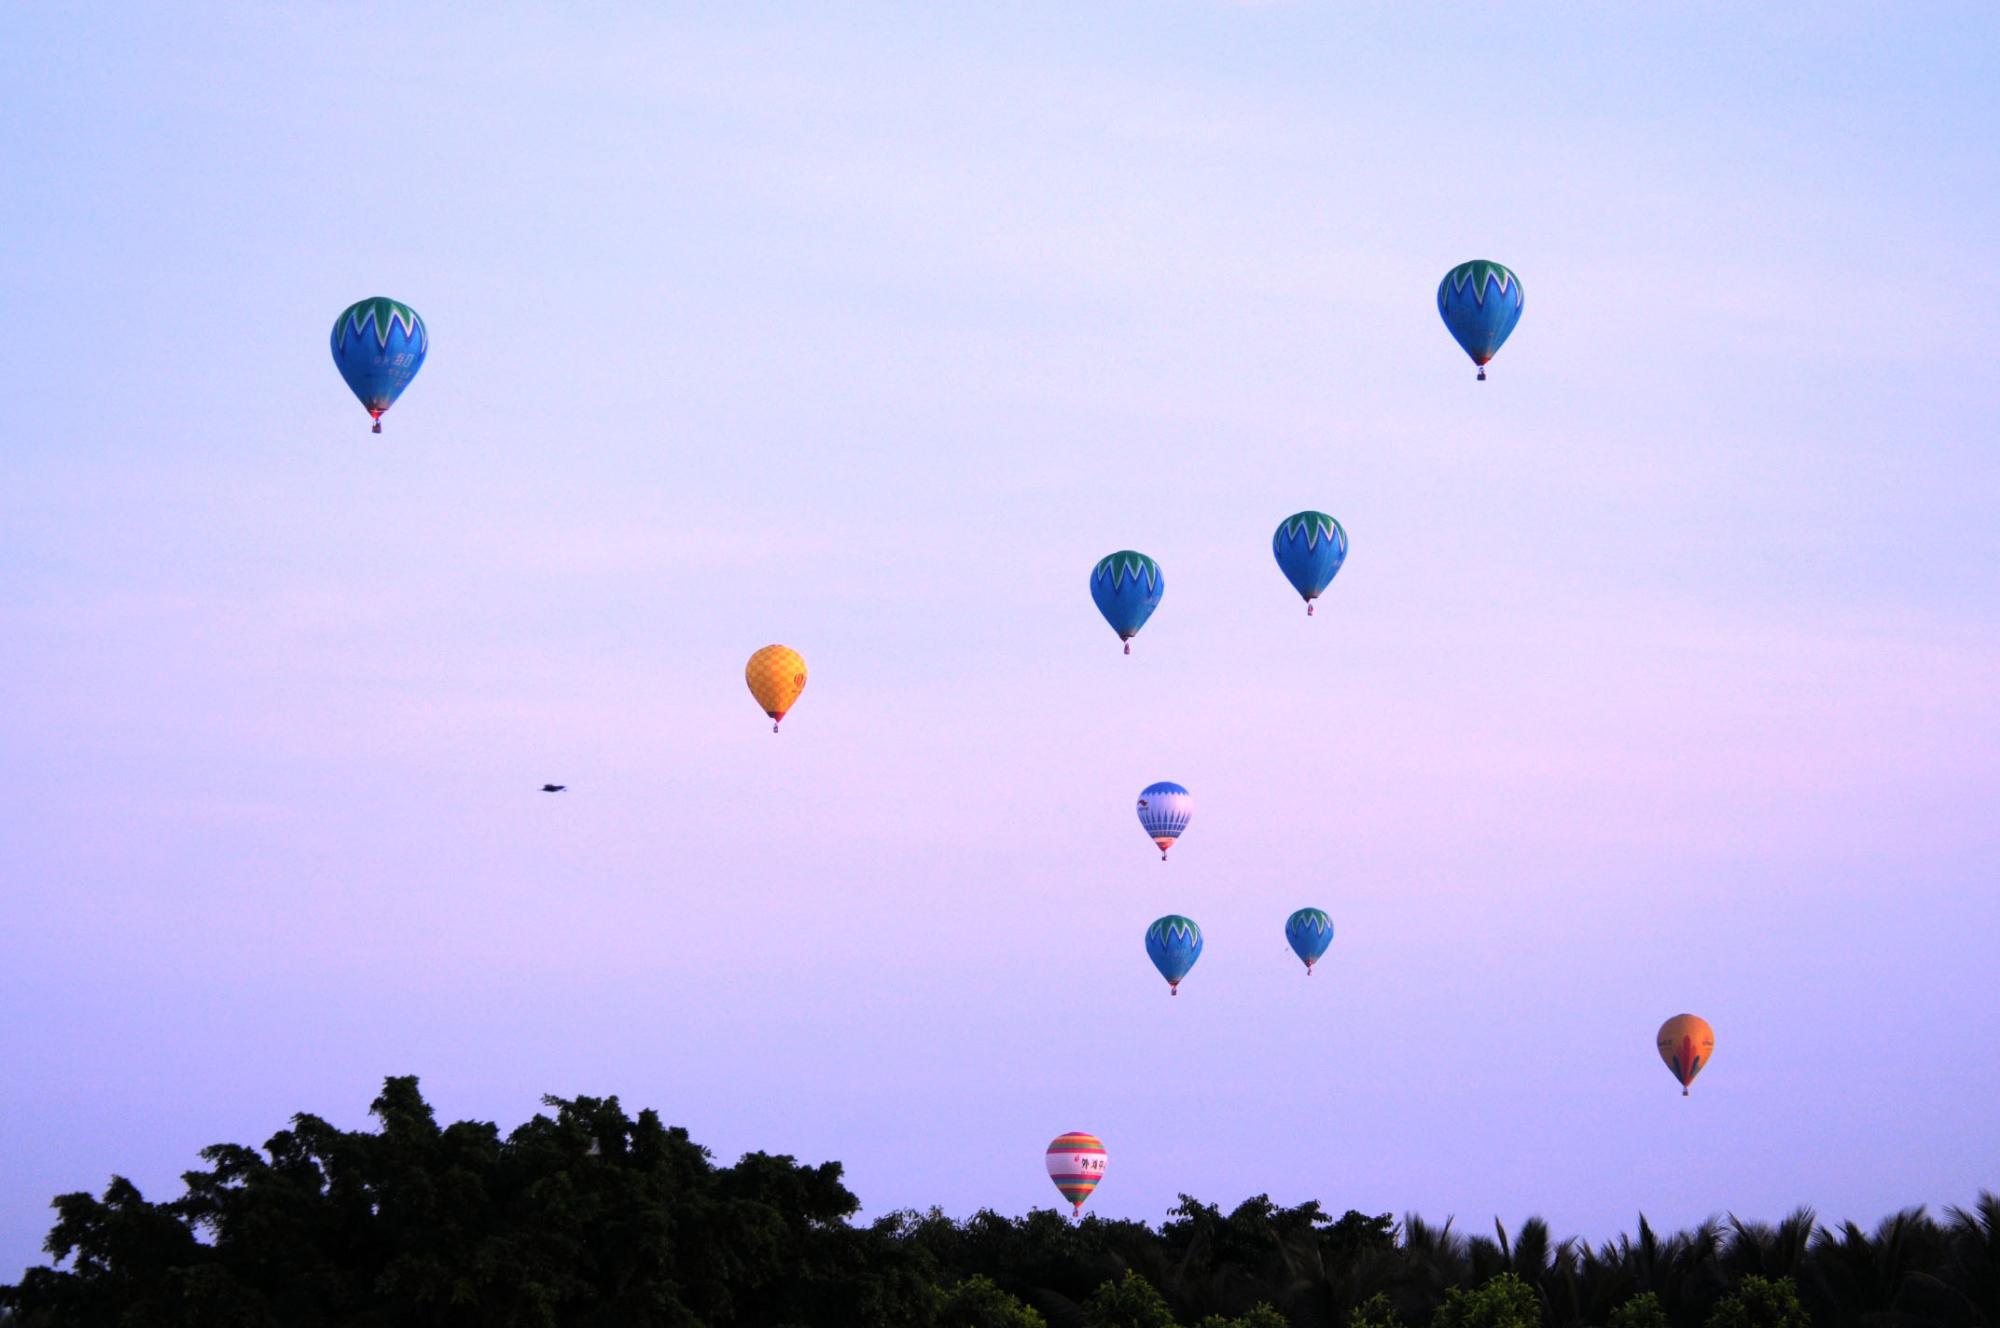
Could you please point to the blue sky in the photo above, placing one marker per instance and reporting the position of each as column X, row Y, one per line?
column 1660, row 676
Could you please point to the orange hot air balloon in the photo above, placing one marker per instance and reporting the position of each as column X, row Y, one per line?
column 776, row 674
column 1686, row 1044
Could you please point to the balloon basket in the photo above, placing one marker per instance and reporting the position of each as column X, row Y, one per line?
column 1128, row 647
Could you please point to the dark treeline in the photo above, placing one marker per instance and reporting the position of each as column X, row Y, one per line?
column 589, row 1217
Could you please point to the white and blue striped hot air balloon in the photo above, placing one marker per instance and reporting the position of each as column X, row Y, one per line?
column 1165, row 809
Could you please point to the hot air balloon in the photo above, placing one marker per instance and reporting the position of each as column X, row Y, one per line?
column 1310, row 931
column 1127, row 587
column 1173, row 943
column 378, row 346
column 776, row 674
column 1076, row 1165
column 1480, row 302
column 1687, row 1044
column 1165, row 809
column 1310, row 547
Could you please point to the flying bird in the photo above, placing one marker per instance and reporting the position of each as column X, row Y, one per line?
column 554, row 788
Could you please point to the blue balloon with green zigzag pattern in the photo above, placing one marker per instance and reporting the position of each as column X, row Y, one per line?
column 378, row 346
column 1310, row 931
column 1480, row 302
column 1173, row 943
column 1309, row 547
column 1127, row 587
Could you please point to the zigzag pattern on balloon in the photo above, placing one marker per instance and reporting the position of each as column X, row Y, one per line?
column 1310, row 932
column 385, row 314
column 1127, row 563
column 1316, row 526
column 1482, row 275
column 1309, row 922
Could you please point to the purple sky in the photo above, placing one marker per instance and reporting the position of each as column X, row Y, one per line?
column 1661, row 677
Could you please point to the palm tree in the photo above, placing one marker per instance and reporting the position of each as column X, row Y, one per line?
column 1974, row 1239
column 1865, row 1276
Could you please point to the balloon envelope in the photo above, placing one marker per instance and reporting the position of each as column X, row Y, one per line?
column 1310, row 931
column 378, row 346
column 1076, row 1165
column 1686, row 1043
column 1480, row 302
column 1164, row 810
column 1309, row 547
column 776, row 674
column 1127, row 587
column 1173, row 943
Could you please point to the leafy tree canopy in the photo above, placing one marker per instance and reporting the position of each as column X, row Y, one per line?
column 1642, row 1311
column 1759, row 1302
column 1501, row 1302
column 587, row 1216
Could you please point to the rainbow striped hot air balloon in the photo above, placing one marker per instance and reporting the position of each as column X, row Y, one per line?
column 1165, row 809
column 1076, row 1165
column 1686, row 1044
column 378, row 346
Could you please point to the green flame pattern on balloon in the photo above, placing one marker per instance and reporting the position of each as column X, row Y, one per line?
column 1315, row 525
column 1128, row 563
column 1482, row 274
column 384, row 313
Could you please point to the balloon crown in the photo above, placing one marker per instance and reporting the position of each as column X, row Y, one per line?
column 385, row 314
column 1481, row 274
column 1127, row 563
column 1309, row 919
column 1315, row 526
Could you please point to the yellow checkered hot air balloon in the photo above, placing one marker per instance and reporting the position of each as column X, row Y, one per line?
column 776, row 674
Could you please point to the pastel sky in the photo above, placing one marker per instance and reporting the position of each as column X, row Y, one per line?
column 1661, row 677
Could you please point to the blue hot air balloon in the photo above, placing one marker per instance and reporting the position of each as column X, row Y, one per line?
column 1310, row 547
column 379, row 345
column 1165, row 809
column 1480, row 302
column 1173, row 943
column 1310, row 931
column 1127, row 587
